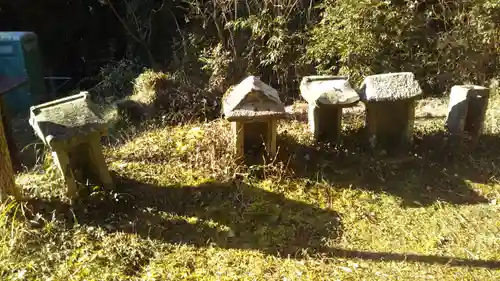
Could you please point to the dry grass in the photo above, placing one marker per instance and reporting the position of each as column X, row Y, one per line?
column 182, row 210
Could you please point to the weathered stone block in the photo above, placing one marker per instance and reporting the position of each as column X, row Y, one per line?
column 390, row 87
column 390, row 108
column 326, row 96
column 253, row 107
column 72, row 128
column 467, row 110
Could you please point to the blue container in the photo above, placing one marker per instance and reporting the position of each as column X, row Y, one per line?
column 20, row 57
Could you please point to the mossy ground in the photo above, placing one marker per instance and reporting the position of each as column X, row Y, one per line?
column 182, row 210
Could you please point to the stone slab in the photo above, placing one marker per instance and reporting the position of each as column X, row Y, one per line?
column 66, row 118
column 390, row 87
column 328, row 90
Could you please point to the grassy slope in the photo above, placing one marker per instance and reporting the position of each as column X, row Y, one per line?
column 183, row 211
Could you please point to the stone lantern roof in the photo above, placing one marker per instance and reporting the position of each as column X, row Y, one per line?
column 253, row 99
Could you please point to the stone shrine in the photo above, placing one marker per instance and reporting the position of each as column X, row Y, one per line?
column 253, row 107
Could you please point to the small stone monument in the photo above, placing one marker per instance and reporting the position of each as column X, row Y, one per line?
column 72, row 128
column 326, row 96
column 390, row 108
column 253, row 107
column 467, row 110
column 7, row 182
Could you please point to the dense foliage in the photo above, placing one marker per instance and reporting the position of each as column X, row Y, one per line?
column 213, row 44
column 442, row 41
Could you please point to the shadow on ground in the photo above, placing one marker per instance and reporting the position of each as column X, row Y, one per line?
column 229, row 215
column 252, row 219
column 434, row 170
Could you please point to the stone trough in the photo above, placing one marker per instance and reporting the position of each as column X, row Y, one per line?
column 72, row 127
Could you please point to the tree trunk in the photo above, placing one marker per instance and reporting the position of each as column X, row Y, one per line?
column 7, row 183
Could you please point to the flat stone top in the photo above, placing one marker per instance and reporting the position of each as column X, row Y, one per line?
column 330, row 90
column 470, row 90
column 252, row 98
column 390, row 87
column 66, row 118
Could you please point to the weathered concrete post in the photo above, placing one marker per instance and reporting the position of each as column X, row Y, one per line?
column 7, row 182
column 467, row 110
column 326, row 96
column 390, row 108
column 253, row 108
column 72, row 128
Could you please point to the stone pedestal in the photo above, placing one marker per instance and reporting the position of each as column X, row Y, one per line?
column 79, row 160
column 72, row 128
column 390, row 124
column 390, row 109
column 7, row 182
column 467, row 110
column 325, row 122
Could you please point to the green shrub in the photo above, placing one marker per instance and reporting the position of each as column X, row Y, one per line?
column 115, row 80
column 226, row 41
column 149, row 86
column 443, row 42
column 158, row 93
